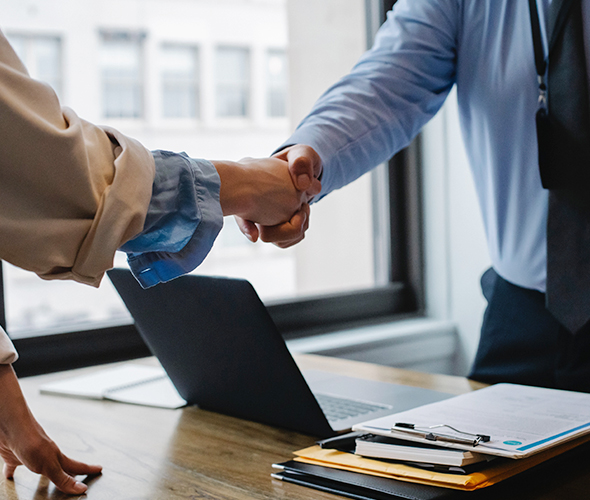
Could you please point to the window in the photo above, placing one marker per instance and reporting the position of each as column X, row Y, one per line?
column 42, row 57
column 276, row 61
column 121, row 73
column 232, row 72
column 180, row 81
column 359, row 262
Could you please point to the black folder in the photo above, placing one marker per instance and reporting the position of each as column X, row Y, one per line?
column 359, row 486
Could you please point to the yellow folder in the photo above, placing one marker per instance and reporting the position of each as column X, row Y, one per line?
column 496, row 471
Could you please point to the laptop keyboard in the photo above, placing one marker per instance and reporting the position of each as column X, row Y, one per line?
column 336, row 408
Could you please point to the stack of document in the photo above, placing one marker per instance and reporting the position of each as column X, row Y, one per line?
column 370, row 445
column 519, row 420
column 518, row 426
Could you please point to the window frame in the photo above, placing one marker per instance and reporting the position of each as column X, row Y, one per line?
column 397, row 212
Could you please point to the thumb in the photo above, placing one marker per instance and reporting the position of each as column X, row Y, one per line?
column 304, row 165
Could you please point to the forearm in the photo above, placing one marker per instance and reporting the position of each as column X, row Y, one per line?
column 393, row 90
column 14, row 411
column 235, row 196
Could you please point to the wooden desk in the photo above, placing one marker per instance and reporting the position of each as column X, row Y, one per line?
column 150, row 453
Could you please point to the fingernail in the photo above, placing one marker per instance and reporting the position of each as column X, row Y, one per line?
column 303, row 181
column 81, row 487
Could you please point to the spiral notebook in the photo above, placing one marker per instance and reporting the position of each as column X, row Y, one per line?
column 129, row 383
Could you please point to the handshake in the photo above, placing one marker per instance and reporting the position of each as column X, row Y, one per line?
column 270, row 196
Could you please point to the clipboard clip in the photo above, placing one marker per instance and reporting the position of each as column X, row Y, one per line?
column 425, row 433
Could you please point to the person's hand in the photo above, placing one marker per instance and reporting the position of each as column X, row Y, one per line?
column 305, row 167
column 259, row 190
column 24, row 442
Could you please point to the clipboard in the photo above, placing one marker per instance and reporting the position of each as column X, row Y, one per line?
column 506, row 420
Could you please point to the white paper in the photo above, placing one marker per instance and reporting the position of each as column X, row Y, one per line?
column 521, row 420
column 160, row 393
column 130, row 383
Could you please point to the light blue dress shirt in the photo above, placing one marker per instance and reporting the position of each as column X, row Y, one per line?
column 183, row 219
column 485, row 48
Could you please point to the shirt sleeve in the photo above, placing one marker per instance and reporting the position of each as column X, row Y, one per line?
column 183, row 219
column 394, row 89
column 8, row 353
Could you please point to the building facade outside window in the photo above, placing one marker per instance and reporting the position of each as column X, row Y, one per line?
column 121, row 71
column 180, row 81
column 232, row 85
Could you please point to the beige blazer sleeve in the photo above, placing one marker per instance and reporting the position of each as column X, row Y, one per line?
column 8, row 353
column 71, row 192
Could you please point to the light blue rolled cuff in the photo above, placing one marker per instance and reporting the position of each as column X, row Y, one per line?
column 183, row 220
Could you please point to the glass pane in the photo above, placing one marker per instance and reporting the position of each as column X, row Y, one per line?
column 277, row 83
column 179, row 100
column 232, row 76
column 179, row 82
column 207, row 61
column 120, row 61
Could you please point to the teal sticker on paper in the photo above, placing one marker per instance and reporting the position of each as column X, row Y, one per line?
column 512, row 443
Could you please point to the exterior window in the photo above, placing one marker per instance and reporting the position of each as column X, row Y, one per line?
column 42, row 57
column 180, row 81
column 276, row 66
column 121, row 74
column 232, row 71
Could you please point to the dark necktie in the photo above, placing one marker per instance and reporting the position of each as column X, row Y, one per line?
column 564, row 157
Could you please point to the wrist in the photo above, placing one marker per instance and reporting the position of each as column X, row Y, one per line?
column 14, row 411
column 235, row 194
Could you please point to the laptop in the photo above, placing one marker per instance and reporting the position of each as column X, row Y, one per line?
column 222, row 351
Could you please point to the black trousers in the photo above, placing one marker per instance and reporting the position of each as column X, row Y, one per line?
column 521, row 342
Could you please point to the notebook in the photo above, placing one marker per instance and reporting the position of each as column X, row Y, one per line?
column 373, row 446
column 130, row 383
column 222, row 351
